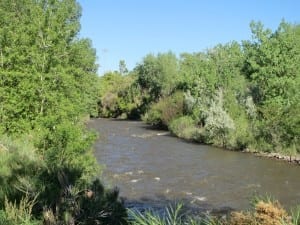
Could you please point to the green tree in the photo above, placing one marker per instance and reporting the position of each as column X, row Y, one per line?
column 48, row 83
column 44, row 68
column 272, row 66
column 158, row 75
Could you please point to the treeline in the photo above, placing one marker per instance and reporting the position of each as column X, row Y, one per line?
column 48, row 83
column 236, row 95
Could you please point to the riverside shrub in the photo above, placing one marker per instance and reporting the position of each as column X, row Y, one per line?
column 165, row 110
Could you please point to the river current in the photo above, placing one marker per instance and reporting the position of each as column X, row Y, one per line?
column 152, row 168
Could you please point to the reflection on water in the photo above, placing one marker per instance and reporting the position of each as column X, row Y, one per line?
column 152, row 166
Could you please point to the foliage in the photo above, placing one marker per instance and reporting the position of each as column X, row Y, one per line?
column 101, row 207
column 118, row 95
column 45, row 69
column 174, row 216
column 90, row 206
column 165, row 110
column 18, row 213
column 218, row 123
column 20, row 164
column 295, row 213
column 48, row 83
column 158, row 75
column 272, row 67
column 263, row 213
column 184, row 127
column 240, row 96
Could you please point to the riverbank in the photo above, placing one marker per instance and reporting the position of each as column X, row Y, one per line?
column 193, row 133
column 277, row 156
column 295, row 159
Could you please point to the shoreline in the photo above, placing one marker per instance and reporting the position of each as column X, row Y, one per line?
column 276, row 156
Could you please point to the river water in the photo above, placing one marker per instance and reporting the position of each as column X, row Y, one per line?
column 152, row 168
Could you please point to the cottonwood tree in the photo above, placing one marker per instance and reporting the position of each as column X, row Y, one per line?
column 272, row 66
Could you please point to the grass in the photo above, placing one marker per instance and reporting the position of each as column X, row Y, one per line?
column 265, row 211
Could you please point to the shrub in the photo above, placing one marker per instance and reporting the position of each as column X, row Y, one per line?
column 109, row 105
column 185, row 127
column 20, row 214
column 266, row 212
column 165, row 110
column 98, row 206
column 20, row 168
column 218, row 123
column 242, row 137
column 90, row 206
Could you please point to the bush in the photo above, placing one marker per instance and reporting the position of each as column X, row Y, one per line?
column 20, row 214
column 98, row 206
column 90, row 206
column 20, row 168
column 58, row 172
column 242, row 138
column 218, row 123
column 185, row 127
column 265, row 213
column 109, row 105
column 165, row 110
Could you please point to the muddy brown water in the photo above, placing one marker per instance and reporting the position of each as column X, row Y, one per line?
column 152, row 168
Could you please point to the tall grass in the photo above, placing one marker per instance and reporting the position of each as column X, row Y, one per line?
column 18, row 214
column 174, row 215
column 268, row 212
column 296, row 215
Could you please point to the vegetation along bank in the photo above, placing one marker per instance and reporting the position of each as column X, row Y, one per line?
column 238, row 96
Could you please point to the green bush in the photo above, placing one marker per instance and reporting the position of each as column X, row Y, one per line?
column 185, row 127
column 109, row 105
column 20, row 214
column 165, row 110
column 242, row 138
column 58, row 172
column 20, row 167
column 99, row 206
column 93, row 205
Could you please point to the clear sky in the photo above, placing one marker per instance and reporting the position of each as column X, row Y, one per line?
column 130, row 29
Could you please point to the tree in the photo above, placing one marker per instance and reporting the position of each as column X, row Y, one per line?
column 44, row 68
column 48, row 83
column 272, row 66
column 158, row 75
column 122, row 67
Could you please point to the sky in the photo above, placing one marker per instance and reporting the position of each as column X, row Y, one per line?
column 130, row 29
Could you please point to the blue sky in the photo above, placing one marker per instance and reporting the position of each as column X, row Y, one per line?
column 130, row 29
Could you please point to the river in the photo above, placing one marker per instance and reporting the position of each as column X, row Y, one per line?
column 152, row 168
